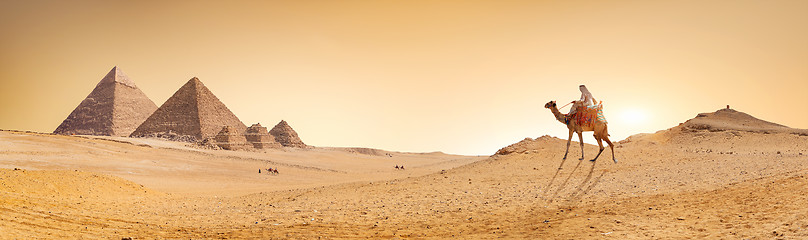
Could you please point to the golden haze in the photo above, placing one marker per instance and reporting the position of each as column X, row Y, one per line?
column 457, row 76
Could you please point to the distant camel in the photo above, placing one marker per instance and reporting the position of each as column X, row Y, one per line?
column 272, row 171
column 599, row 127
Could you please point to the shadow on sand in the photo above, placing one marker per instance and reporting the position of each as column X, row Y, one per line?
column 564, row 183
column 554, row 176
column 579, row 191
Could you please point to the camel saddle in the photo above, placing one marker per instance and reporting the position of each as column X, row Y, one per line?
column 585, row 116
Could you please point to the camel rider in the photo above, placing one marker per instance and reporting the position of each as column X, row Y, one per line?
column 586, row 100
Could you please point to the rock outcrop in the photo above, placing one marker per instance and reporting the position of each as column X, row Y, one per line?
column 286, row 136
column 116, row 107
column 531, row 145
column 730, row 119
column 193, row 111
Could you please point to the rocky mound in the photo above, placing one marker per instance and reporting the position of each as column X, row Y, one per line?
column 114, row 108
column 367, row 151
column 528, row 144
column 730, row 119
column 728, row 122
column 286, row 136
column 171, row 137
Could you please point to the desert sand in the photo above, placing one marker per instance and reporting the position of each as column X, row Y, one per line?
column 720, row 175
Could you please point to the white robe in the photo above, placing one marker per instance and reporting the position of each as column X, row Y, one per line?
column 586, row 99
column 586, row 96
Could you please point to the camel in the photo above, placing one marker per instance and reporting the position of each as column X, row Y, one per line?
column 599, row 127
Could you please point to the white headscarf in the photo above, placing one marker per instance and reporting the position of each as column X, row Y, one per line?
column 586, row 96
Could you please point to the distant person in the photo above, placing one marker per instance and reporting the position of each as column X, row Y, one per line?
column 259, row 170
column 586, row 100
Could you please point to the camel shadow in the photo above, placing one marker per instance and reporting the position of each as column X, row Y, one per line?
column 586, row 185
column 564, row 183
column 554, row 175
column 580, row 191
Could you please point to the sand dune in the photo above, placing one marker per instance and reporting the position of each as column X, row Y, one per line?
column 176, row 167
column 719, row 175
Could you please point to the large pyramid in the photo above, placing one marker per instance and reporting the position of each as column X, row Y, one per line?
column 114, row 108
column 286, row 136
column 193, row 111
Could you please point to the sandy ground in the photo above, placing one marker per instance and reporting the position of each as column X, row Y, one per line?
column 685, row 182
column 175, row 167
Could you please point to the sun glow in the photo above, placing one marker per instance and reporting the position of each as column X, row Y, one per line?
column 634, row 116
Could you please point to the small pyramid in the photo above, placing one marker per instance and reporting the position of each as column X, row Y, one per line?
column 286, row 136
column 114, row 108
column 192, row 111
column 229, row 139
column 258, row 136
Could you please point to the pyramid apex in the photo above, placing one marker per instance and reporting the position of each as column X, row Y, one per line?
column 286, row 136
column 115, row 75
column 282, row 124
column 195, row 81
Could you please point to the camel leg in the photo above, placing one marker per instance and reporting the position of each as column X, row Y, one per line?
column 569, row 139
column 600, row 144
column 581, row 140
column 610, row 146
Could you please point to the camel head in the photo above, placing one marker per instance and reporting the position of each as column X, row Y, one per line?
column 550, row 104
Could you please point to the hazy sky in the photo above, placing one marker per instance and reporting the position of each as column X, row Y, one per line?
column 464, row 77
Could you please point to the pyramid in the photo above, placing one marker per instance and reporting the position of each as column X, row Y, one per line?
column 286, row 136
column 192, row 111
column 229, row 139
column 114, row 108
column 258, row 136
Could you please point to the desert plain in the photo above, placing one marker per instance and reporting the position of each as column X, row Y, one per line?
column 720, row 175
